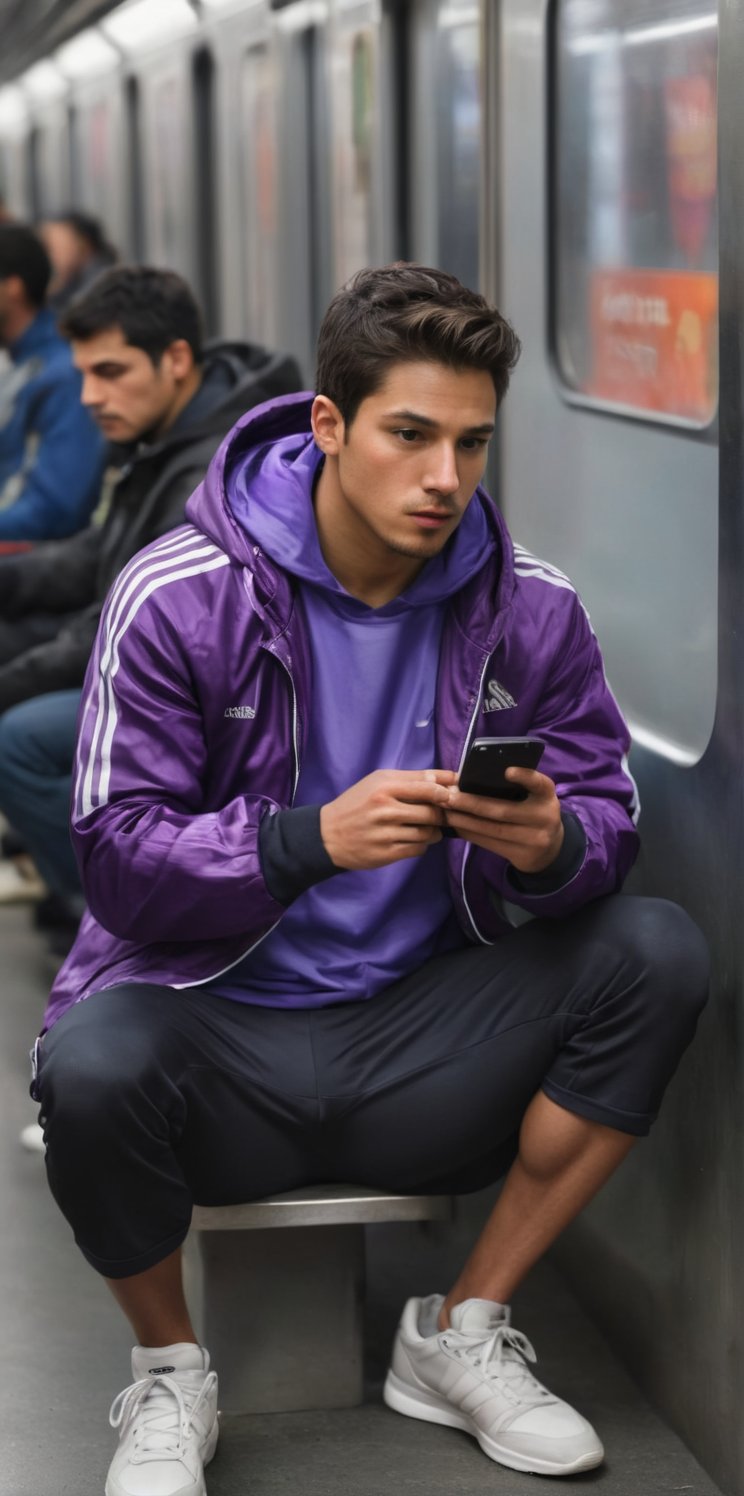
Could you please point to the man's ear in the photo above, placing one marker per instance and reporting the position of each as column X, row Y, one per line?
column 181, row 355
column 328, row 424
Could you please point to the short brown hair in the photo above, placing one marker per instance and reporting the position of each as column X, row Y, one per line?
column 403, row 313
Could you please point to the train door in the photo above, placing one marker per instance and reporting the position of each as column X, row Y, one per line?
column 46, row 89
column 605, row 159
column 296, row 81
column 363, row 129
column 259, row 160
column 444, row 130
column 99, row 146
column 14, row 128
column 166, row 99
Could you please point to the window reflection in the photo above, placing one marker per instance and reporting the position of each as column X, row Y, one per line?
column 636, row 205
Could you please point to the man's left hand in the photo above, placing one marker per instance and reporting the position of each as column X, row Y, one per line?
column 528, row 833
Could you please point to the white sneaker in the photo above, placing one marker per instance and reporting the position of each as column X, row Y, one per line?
column 475, row 1377
column 20, row 882
column 167, row 1423
column 32, row 1138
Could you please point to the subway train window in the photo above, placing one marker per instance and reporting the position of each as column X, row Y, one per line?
column 635, row 222
column 258, row 133
column 445, row 127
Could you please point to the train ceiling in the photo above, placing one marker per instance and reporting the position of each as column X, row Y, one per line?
column 32, row 28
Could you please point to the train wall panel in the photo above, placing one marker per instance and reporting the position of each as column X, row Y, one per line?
column 658, row 1256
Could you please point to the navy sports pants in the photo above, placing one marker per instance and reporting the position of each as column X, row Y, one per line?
column 154, row 1098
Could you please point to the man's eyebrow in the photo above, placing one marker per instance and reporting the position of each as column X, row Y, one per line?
column 485, row 429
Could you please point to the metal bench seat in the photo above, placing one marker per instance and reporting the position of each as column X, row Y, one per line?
column 281, row 1309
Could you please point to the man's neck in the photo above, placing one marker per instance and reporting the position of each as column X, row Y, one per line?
column 185, row 395
column 366, row 568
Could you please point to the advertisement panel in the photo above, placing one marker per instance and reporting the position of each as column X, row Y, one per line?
column 654, row 341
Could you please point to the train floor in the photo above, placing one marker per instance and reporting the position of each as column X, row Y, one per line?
column 66, row 1350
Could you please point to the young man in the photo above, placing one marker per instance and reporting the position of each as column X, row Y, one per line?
column 165, row 401
column 51, row 455
column 289, row 972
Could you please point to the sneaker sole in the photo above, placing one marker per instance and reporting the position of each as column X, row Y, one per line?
column 210, row 1449
column 416, row 1403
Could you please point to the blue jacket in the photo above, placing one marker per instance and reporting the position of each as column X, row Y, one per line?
column 52, row 454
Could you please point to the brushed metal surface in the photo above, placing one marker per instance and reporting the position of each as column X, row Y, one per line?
column 322, row 1206
column 658, row 1257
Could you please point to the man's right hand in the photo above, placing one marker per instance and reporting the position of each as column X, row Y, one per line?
column 385, row 817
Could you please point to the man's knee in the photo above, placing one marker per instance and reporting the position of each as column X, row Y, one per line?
column 664, row 956
column 94, row 1066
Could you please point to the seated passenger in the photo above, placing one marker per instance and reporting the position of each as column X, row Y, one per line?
column 37, row 743
column 166, row 401
column 79, row 251
column 288, row 975
column 51, row 455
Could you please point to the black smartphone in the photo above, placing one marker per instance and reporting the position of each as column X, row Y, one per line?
column 486, row 762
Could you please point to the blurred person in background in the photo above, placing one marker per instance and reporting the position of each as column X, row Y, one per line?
column 79, row 250
column 51, row 453
column 166, row 401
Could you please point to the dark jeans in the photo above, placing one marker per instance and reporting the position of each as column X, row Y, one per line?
column 37, row 744
column 153, row 1098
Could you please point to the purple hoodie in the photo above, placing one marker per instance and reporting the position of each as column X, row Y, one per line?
column 194, row 721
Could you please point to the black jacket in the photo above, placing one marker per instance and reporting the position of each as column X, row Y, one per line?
column 72, row 577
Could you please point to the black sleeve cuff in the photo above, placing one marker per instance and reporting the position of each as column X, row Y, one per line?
column 292, row 853
column 565, row 867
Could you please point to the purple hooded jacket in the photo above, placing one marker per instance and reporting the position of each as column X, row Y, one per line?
column 194, row 714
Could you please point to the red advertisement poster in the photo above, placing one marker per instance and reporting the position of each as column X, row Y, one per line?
column 655, row 341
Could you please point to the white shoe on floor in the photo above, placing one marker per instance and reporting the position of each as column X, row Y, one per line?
column 475, row 1377
column 20, row 882
column 167, row 1422
column 32, row 1138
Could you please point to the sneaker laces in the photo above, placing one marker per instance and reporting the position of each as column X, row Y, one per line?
column 504, row 1356
column 159, row 1429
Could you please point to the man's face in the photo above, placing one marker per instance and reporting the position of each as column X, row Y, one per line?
column 66, row 250
column 409, row 463
column 128, row 395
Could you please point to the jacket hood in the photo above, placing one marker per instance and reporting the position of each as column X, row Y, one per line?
column 235, row 375
column 271, row 451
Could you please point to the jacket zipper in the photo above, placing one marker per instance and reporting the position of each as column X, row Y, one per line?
column 466, row 854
